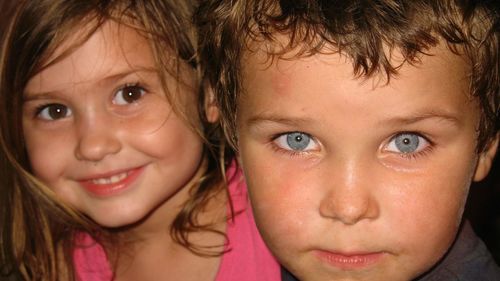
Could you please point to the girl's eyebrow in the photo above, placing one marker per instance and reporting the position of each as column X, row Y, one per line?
column 117, row 75
column 113, row 77
column 27, row 97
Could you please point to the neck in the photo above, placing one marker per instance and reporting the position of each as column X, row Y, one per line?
column 151, row 237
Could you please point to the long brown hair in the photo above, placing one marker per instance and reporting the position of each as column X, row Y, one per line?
column 36, row 229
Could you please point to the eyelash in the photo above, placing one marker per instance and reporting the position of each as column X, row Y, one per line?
column 136, row 84
column 41, row 107
column 408, row 156
column 416, row 155
column 290, row 153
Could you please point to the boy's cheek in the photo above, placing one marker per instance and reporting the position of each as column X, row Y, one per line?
column 283, row 204
column 282, row 221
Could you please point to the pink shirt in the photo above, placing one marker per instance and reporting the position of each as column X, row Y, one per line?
column 91, row 263
column 248, row 259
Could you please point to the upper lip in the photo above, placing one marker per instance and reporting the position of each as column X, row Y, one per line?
column 95, row 176
column 352, row 253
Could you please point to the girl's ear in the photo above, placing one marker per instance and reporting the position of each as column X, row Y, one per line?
column 211, row 108
column 486, row 160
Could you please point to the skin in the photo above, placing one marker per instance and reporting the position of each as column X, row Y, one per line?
column 350, row 204
column 79, row 126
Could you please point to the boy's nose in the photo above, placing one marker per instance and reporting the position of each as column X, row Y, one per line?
column 97, row 139
column 350, row 195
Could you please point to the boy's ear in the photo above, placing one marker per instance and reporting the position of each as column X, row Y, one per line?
column 211, row 109
column 486, row 160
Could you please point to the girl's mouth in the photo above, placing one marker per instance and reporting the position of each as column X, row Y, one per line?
column 111, row 183
column 112, row 179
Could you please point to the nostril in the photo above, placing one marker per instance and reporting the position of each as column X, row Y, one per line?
column 96, row 146
column 349, row 208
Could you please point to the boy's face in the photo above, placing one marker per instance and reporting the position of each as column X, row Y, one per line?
column 355, row 179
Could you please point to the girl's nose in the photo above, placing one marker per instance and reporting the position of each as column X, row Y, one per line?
column 350, row 196
column 97, row 139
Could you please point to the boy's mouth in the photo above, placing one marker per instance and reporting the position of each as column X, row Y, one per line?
column 350, row 261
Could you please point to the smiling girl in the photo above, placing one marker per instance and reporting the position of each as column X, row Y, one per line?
column 111, row 158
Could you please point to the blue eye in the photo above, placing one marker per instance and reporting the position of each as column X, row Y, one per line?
column 54, row 111
column 296, row 141
column 407, row 143
column 128, row 94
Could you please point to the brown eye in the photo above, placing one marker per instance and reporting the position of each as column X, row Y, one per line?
column 54, row 112
column 128, row 95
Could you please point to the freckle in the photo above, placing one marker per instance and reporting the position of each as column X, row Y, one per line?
column 281, row 84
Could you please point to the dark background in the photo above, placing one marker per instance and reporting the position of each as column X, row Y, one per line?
column 483, row 205
column 483, row 209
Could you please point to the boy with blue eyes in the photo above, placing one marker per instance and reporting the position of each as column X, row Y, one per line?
column 360, row 126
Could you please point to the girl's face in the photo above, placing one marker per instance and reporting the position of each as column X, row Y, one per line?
column 101, row 134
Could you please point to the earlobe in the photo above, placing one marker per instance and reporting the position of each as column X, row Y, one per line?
column 211, row 108
column 486, row 160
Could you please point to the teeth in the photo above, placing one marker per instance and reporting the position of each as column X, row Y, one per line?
column 110, row 180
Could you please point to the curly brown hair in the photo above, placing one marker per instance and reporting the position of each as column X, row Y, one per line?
column 362, row 30
column 37, row 230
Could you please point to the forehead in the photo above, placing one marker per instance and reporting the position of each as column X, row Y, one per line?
column 321, row 90
column 438, row 70
column 112, row 48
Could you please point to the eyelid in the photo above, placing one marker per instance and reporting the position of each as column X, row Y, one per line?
column 41, row 108
column 422, row 148
column 127, row 85
column 289, row 150
column 136, row 83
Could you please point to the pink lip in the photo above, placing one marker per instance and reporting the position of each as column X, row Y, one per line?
column 350, row 261
column 103, row 190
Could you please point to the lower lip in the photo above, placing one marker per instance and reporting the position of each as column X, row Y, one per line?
column 103, row 190
column 351, row 261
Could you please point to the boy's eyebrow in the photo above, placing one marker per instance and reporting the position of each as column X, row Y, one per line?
column 290, row 121
column 424, row 115
column 392, row 121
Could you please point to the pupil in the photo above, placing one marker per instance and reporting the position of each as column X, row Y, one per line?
column 298, row 141
column 57, row 111
column 132, row 94
column 407, row 143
